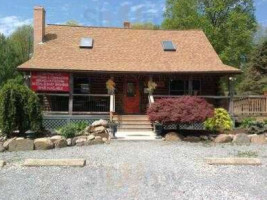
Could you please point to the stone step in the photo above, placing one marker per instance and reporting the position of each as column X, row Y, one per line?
column 134, row 122
column 135, row 129
column 130, row 117
column 135, row 135
column 135, row 126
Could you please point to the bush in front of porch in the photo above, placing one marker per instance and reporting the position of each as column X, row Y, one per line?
column 182, row 110
column 19, row 109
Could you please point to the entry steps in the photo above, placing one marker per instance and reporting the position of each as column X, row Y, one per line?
column 134, row 127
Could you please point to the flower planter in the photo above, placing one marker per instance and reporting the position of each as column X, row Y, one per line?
column 159, row 128
column 113, row 129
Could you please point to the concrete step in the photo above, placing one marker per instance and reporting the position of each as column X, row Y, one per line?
column 134, row 122
column 130, row 117
column 142, row 135
column 135, row 126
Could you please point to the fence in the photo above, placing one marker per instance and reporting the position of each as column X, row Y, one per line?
column 250, row 105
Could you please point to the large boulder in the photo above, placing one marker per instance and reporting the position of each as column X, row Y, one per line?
column 57, row 137
column 192, row 139
column 102, row 134
column 2, row 139
column 241, row 139
column 7, row 142
column 77, row 138
column 223, row 138
column 98, row 129
column 61, row 143
column 173, row 136
column 69, row 142
column 2, row 149
column 21, row 144
column 43, row 144
column 97, row 140
column 258, row 139
column 100, row 122
column 81, row 142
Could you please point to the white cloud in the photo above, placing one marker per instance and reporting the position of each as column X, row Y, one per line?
column 125, row 3
column 137, row 7
column 152, row 11
column 10, row 23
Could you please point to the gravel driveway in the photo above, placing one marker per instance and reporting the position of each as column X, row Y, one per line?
column 136, row 170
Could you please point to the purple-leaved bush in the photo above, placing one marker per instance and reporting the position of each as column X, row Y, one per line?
column 186, row 109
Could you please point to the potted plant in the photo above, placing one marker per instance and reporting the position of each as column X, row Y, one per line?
column 264, row 91
column 158, row 128
column 30, row 134
column 113, row 128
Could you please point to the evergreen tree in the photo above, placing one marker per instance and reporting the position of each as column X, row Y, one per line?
column 255, row 76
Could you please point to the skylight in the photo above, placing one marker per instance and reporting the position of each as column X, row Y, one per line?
column 168, row 46
column 86, row 42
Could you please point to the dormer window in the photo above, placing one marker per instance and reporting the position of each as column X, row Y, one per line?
column 86, row 43
column 168, row 46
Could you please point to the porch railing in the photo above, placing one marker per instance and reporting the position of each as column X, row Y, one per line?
column 250, row 105
column 83, row 104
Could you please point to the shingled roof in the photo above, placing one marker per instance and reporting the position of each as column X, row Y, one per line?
column 125, row 50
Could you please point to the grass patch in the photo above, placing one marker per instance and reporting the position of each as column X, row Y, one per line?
column 248, row 154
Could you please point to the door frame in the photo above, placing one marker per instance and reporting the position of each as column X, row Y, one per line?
column 137, row 81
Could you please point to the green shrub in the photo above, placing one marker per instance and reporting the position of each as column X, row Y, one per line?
column 257, row 127
column 246, row 122
column 72, row 129
column 220, row 122
column 20, row 109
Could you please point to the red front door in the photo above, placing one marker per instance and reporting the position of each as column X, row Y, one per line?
column 131, row 96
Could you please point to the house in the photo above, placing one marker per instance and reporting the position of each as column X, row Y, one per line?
column 71, row 66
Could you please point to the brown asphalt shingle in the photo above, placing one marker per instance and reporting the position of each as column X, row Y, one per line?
column 125, row 50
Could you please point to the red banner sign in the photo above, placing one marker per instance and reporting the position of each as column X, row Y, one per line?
column 55, row 82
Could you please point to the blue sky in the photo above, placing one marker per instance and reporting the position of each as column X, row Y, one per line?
column 14, row 13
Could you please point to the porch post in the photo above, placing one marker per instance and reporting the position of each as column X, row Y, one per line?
column 231, row 95
column 71, row 95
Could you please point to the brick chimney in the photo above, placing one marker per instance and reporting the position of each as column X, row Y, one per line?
column 127, row 24
column 39, row 24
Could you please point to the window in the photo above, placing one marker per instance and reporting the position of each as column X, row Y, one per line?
column 131, row 89
column 196, row 86
column 86, row 43
column 81, row 85
column 179, row 87
column 168, row 46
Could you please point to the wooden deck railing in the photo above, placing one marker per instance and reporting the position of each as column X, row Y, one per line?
column 81, row 104
column 250, row 105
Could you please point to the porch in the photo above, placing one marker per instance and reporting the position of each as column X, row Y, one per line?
column 88, row 94
column 89, row 98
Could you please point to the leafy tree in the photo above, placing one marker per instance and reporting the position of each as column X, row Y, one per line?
column 72, row 23
column 20, row 109
column 228, row 24
column 255, row 76
column 15, row 50
column 22, row 43
column 147, row 25
column 7, row 57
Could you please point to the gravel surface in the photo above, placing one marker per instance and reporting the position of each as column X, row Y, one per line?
column 137, row 170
